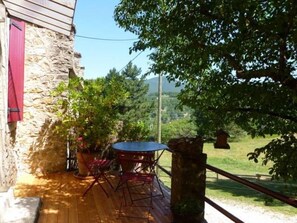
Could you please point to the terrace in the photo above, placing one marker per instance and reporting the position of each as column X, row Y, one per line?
column 62, row 201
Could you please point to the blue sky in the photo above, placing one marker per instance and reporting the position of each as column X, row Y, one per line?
column 94, row 18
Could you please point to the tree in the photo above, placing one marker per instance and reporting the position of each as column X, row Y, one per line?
column 183, row 127
column 136, row 108
column 236, row 58
column 86, row 112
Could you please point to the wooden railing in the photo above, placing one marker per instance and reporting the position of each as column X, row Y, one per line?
column 254, row 186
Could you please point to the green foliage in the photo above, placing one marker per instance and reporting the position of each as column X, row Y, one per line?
column 88, row 112
column 172, row 110
column 282, row 152
column 236, row 133
column 134, row 131
column 187, row 207
column 171, row 107
column 248, row 106
column 175, row 119
column 183, row 127
column 135, row 109
column 94, row 113
column 237, row 59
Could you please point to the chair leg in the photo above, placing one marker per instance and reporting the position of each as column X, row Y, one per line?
column 89, row 188
column 151, row 194
column 105, row 177
column 102, row 188
column 96, row 180
column 124, row 203
column 129, row 192
column 123, row 200
column 120, row 183
column 161, row 190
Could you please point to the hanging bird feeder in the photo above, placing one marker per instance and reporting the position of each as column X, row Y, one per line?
column 221, row 142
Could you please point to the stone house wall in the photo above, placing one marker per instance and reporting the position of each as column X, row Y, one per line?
column 49, row 59
column 7, row 161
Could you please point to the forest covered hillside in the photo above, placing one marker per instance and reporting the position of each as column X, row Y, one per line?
column 166, row 85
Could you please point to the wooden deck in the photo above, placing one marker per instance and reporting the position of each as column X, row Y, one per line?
column 62, row 201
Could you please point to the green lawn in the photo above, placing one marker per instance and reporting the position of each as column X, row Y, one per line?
column 236, row 162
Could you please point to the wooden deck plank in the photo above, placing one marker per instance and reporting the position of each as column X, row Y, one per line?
column 72, row 210
column 104, row 205
column 63, row 209
column 62, row 201
column 51, row 199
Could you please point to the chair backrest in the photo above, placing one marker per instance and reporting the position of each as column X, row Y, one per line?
column 136, row 161
column 91, row 162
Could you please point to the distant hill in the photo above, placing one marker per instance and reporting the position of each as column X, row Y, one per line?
column 166, row 85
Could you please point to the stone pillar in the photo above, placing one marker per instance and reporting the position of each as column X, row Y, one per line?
column 188, row 179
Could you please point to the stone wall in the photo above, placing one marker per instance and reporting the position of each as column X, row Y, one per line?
column 7, row 161
column 49, row 59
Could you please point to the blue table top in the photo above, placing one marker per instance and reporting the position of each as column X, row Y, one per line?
column 139, row 146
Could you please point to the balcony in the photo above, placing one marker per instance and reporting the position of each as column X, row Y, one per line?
column 62, row 201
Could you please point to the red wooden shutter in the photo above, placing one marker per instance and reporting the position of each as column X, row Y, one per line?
column 16, row 70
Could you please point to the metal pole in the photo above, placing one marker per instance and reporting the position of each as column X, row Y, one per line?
column 159, row 107
column 159, row 115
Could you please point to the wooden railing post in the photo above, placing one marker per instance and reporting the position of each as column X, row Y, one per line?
column 188, row 179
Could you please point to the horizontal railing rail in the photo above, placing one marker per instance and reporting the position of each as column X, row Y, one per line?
column 254, row 186
column 223, row 211
column 210, row 202
column 257, row 187
column 164, row 170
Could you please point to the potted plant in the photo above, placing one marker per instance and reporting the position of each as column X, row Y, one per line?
column 188, row 210
column 88, row 115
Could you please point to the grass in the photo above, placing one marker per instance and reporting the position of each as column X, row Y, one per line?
column 235, row 161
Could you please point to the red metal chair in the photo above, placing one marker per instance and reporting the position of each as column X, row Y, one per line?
column 97, row 168
column 137, row 168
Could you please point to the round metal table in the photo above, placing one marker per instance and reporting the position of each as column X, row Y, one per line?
column 139, row 146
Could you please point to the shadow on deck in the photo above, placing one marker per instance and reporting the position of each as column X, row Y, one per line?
column 62, row 201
